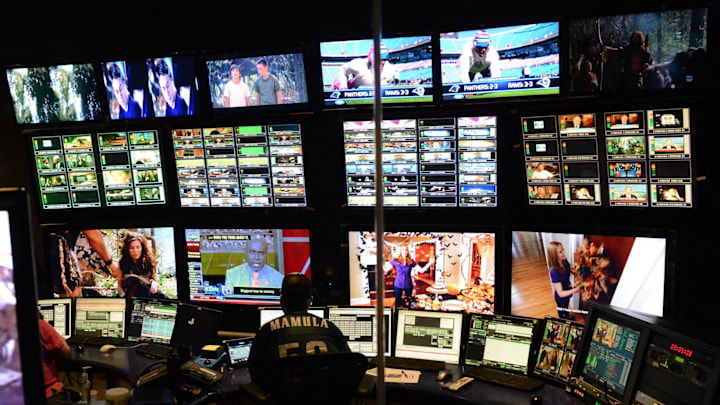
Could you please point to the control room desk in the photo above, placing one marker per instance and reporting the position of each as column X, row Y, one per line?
column 127, row 364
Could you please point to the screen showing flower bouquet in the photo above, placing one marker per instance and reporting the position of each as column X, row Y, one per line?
column 558, row 274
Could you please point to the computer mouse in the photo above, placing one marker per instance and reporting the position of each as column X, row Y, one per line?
column 107, row 348
column 442, row 375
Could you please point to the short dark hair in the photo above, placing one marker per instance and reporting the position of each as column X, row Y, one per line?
column 114, row 72
column 262, row 62
column 162, row 68
column 235, row 66
column 296, row 292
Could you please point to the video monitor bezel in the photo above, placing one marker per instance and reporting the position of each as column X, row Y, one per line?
column 505, row 95
column 367, row 104
column 101, row 113
column 670, row 237
column 48, row 228
column 184, row 293
column 624, row 318
column 204, row 81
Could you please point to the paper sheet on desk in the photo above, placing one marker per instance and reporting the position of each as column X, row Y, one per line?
column 396, row 375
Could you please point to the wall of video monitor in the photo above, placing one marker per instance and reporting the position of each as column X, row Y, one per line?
column 645, row 159
column 242, row 166
column 69, row 176
column 433, row 162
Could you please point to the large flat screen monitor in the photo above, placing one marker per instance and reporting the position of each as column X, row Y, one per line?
column 51, row 94
column 428, row 335
column 244, row 266
column 120, row 262
column 359, row 326
column 100, row 317
column 448, row 271
column 58, row 313
column 257, row 81
column 242, row 166
column 520, row 60
column 406, row 71
column 639, row 52
column 559, row 274
column 430, row 162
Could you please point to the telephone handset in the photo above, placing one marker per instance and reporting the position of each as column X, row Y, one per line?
column 190, row 372
column 194, row 373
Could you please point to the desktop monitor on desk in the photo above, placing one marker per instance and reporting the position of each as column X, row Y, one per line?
column 359, row 326
column 500, row 342
column 100, row 317
column 610, row 354
column 270, row 314
column 427, row 335
column 58, row 313
column 151, row 320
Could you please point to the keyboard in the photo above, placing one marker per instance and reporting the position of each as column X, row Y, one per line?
column 95, row 340
column 155, row 351
column 503, row 378
column 414, row 364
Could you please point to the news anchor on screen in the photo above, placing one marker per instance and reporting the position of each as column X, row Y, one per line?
column 255, row 272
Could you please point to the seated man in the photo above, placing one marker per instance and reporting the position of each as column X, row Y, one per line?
column 54, row 349
column 295, row 333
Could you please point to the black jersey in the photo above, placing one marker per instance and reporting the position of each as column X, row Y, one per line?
column 296, row 333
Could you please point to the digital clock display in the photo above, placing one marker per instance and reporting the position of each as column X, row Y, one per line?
column 679, row 349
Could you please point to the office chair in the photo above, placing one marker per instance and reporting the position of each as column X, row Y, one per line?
column 327, row 378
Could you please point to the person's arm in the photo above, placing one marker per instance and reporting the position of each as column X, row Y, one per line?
column 388, row 266
column 426, row 267
column 494, row 60
column 564, row 293
column 97, row 243
column 342, row 76
column 278, row 91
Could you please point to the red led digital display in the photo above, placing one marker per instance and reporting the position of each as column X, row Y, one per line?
column 681, row 350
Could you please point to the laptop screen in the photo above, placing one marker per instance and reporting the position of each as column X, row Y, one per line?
column 58, row 313
column 151, row 320
column 100, row 317
column 501, row 342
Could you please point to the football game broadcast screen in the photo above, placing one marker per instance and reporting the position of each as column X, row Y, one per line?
column 244, row 266
column 125, row 262
column 50, row 94
column 639, row 52
column 440, row 271
column 559, row 274
column 257, row 81
column 520, row 60
column 406, row 70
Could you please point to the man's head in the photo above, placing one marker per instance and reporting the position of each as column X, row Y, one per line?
column 481, row 42
column 540, row 167
column 235, row 73
column 628, row 190
column 262, row 68
column 577, row 121
column 256, row 252
column 296, row 293
column 119, row 84
column 624, row 119
column 165, row 80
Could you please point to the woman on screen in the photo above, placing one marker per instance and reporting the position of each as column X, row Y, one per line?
column 560, row 278
column 138, row 268
column 403, row 266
